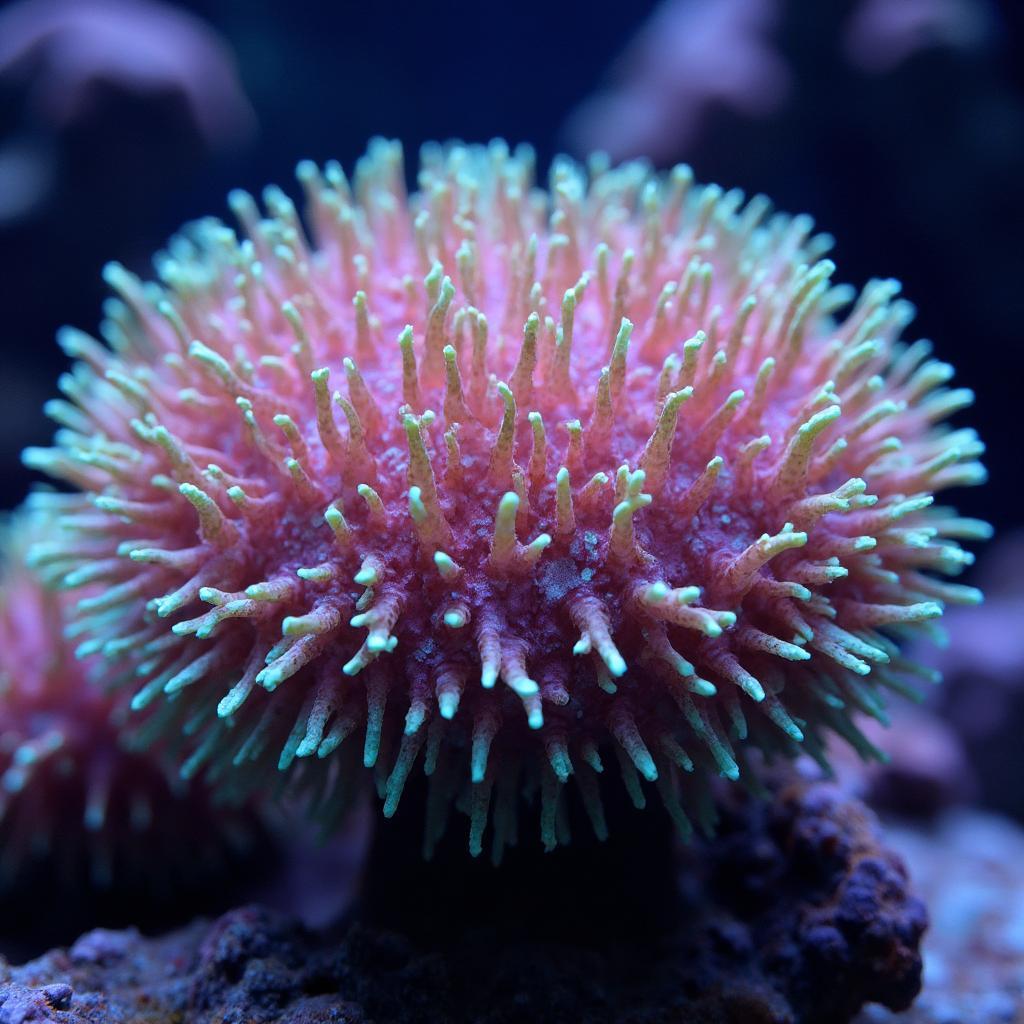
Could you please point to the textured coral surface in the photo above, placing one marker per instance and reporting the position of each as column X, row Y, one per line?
column 610, row 475
column 795, row 913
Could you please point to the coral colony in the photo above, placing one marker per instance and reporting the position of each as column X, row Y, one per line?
column 76, row 808
column 510, row 486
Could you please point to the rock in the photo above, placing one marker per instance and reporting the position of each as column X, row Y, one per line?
column 969, row 866
column 794, row 914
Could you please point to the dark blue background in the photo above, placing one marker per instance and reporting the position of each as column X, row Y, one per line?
column 916, row 172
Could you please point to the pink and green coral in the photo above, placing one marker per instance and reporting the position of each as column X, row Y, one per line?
column 505, row 484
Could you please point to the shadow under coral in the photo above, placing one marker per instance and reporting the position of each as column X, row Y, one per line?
column 795, row 912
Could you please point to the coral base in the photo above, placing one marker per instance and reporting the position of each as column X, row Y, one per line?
column 795, row 913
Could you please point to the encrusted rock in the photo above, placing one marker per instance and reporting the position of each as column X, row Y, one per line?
column 794, row 914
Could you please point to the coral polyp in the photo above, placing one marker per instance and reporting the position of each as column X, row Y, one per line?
column 504, row 482
column 78, row 809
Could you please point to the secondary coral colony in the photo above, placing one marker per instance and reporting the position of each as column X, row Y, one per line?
column 77, row 810
column 509, row 485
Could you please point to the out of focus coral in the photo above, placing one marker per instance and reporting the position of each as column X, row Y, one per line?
column 87, row 827
column 924, row 774
column 69, row 51
column 689, row 57
column 77, row 62
column 795, row 913
column 881, row 34
column 695, row 57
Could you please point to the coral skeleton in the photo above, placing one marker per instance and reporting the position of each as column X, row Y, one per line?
column 507, row 485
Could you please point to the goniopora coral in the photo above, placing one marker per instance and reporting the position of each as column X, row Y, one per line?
column 76, row 807
column 506, row 483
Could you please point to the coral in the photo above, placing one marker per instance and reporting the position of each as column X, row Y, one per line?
column 795, row 913
column 879, row 37
column 609, row 476
column 82, row 820
column 926, row 773
column 689, row 59
column 71, row 51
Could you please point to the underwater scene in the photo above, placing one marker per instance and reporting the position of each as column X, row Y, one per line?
column 512, row 514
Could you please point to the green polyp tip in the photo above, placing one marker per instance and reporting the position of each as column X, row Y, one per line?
column 539, row 543
column 702, row 687
column 535, row 718
column 334, row 518
column 753, row 689
column 444, row 563
column 370, row 751
column 524, row 687
column 791, row 729
column 269, row 679
column 508, row 505
column 455, row 619
column 448, row 704
column 114, row 274
column 88, row 648
column 25, row 755
column 140, row 700
column 417, row 509
column 414, row 718
column 239, row 199
column 377, row 643
column 616, row 664
column 367, row 576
